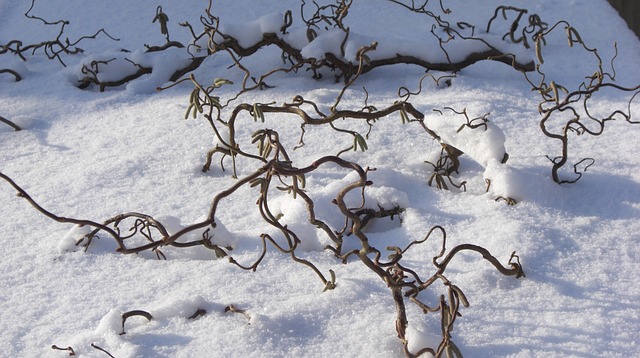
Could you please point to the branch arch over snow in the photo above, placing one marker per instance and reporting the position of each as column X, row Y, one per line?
column 347, row 67
column 337, row 47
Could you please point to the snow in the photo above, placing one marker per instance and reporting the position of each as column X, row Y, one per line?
column 92, row 155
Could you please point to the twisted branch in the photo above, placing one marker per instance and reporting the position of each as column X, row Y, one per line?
column 558, row 101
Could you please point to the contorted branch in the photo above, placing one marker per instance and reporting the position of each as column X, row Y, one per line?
column 15, row 74
column 275, row 172
column 23, row 194
column 334, row 60
column 203, row 100
column 220, row 41
column 402, row 281
column 406, row 282
column 347, row 68
column 53, row 48
column 295, row 107
column 534, row 28
column 91, row 75
column 560, row 102
column 90, row 72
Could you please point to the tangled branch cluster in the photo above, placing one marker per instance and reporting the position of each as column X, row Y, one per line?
column 52, row 48
column 136, row 232
column 317, row 19
column 333, row 17
column 144, row 233
column 559, row 102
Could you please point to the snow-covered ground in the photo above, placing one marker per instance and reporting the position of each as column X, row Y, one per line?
column 90, row 155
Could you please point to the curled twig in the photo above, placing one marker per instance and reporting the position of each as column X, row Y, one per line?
column 69, row 349
column 15, row 74
column 133, row 313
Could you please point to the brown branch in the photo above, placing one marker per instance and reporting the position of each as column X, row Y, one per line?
column 167, row 45
column 192, row 66
column 23, row 194
column 88, row 80
column 133, row 313
column 556, row 100
column 15, row 74
column 11, row 124
column 515, row 270
column 348, row 68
